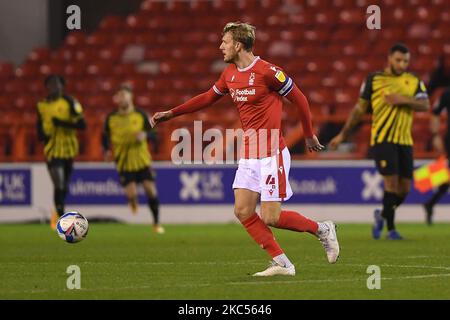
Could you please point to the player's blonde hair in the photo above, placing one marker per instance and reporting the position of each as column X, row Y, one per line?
column 241, row 32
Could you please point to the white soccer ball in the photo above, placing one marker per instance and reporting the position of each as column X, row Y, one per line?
column 72, row 227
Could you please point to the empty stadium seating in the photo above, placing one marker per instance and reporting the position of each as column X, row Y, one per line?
column 168, row 51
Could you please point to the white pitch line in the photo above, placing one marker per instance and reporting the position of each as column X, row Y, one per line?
column 399, row 266
column 339, row 280
column 198, row 285
column 255, row 282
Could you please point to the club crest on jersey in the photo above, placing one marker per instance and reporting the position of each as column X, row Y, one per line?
column 251, row 79
column 232, row 92
column 280, row 76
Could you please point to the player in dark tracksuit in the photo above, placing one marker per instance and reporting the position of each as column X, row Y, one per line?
column 439, row 144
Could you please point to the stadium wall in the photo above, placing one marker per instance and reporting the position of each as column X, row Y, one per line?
column 345, row 191
column 18, row 37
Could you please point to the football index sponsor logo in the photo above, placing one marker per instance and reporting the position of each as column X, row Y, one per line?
column 241, row 95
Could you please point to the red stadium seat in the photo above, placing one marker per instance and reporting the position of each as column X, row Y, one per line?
column 15, row 87
column 37, row 87
column 99, row 102
column 138, row 83
column 148, row 39
column 39, row 55
column 98, row 39
column 156, row 53
column 110, row 54
column 201, row 7
column 344, row 65
column 75, row 39
column 343, row 4
column 137, row 22
column 98, row 69
column 6, row 70
column 109, row 85
column 330, row 18
column 225, row 6
column 316, row 35
column 178, row 7
column 74, row 69
column 123, row 38
column 352, row 17
column 143, row 101
column 356, row 79
column 87, row 85
column 27, row 70
column 65, row 53
column 5, row 103
column 25, row 102
column 124, row 69
column 111, row 23
column 51, row 68
column 153, row 7
column 85, row 54
column 344, row 34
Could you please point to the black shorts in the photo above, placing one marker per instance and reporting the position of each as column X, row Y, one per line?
column 394, row 159
column 127, row 177
column 66, row 164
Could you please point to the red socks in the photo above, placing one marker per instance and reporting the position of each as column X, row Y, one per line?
column 294, row 221
column 262, row 235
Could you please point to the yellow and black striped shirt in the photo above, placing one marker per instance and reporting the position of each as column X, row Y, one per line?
column 391, row 123
column 121, row 131
column 60, row 140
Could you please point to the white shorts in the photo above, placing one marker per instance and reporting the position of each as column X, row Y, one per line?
column 267, row 176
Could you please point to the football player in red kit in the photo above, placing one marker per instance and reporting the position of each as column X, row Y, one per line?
column 257, row 88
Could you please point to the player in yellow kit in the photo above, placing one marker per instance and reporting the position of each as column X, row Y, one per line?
column 58, row 118
column 394, row 95
column 126, row 131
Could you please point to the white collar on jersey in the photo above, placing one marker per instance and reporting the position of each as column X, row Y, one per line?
column 250, row 66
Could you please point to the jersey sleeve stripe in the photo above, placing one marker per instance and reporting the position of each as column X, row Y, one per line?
column 218, row 91
column 289, row 90
column 286, row 88
column 421, row 95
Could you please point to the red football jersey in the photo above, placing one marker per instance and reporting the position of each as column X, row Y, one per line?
column 257, row 91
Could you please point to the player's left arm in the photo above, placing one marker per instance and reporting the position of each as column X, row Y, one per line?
column 76, row 111
column 148, row 132
column 278, row 81
column 419, row 102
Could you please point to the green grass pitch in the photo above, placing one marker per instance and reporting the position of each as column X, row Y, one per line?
column 215, row 262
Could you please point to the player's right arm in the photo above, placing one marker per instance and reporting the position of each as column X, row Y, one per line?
column 357, row 113
column 194, row 104
column 76, row 112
